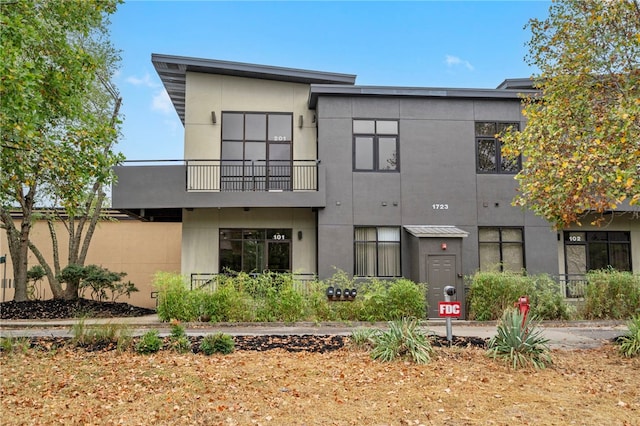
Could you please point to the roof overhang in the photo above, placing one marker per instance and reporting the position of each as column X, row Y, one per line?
column 173, row 73
column 436, row 231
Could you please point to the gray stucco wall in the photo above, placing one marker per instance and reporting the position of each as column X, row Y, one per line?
column 437, row 160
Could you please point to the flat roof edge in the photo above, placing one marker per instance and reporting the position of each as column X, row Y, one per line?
column 317, row 90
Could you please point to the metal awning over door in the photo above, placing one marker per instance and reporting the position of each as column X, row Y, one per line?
column 436, row 231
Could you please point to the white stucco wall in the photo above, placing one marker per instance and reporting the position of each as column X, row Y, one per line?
column 201, row 232
column 206, row 93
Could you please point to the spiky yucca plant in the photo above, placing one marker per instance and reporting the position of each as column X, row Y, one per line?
column 404, row 341
column 519, row 342
column 630, row 342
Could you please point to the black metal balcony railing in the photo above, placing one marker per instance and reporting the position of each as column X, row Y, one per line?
column 573, row 285
column 255, row 175
column 210, row 280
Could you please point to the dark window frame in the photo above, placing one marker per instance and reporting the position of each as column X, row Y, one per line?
column 265, row 232
column 376, row 145
column 377, row 242
column 501, row 242
column 588, row 240
column 497, row 147
column 273, row 172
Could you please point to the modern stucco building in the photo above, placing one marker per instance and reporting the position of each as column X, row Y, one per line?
column 305, row 171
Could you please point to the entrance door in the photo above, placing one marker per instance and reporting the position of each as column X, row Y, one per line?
column 441, row 272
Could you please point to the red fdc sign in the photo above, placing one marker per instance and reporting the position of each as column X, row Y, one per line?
column 449, row 309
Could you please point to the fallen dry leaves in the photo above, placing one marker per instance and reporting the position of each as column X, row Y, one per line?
column 344, row 387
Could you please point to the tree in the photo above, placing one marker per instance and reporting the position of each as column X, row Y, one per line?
column 581, row 145
column 54, row 143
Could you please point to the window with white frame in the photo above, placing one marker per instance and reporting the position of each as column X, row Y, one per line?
column 377, row 251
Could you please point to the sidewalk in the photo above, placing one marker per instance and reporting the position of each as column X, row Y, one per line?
column 561, row 335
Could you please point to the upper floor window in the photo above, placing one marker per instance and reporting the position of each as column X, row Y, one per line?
column 377, row 251
column 489, row 149
column 256, row 151
column 375, row 145
column 501, row 249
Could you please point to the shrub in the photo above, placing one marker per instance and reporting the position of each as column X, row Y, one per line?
column 374, row 295
column 630, row 342
column 178, row 340
column 492, row 293
column 405, row 299
column 12, row 344
column 363, row 338
column 174, row 297
column 518, row 343
column 611, row 294
column 217, row 343
column 231, row 303
column 403, row 341
column 149, row 343
column 102, row 334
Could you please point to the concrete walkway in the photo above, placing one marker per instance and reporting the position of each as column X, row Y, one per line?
column 561, row 335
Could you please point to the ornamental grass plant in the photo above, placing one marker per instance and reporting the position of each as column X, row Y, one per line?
column 519, row 343
column 630, row 341
column 404, row 341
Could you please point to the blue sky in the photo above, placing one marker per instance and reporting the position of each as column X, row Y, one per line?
column 415, row 44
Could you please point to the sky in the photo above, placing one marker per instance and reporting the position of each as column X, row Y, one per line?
column 453, row 44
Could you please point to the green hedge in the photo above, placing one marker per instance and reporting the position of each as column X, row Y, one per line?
column 611, row 295
column 491, row 293
column 278, row 297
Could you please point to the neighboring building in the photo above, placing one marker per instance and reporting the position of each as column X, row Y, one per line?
column 119, row 243
column 304, row 171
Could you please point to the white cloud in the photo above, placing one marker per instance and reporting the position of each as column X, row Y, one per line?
column 161, row 102
column 454, row 61
column 145, row 81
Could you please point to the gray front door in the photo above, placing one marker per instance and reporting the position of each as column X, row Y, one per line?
column 441, row 272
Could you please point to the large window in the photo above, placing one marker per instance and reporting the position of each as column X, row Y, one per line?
column 255, row 250
column 256, row 151
column 375, row 145
column 501, row 249
column 489, row 149
column 590, row 250
column 377, row 252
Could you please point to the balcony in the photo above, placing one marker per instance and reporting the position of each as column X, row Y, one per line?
column 257, row 175
column 172, row 184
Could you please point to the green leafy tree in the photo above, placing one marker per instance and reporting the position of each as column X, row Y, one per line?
column 56, row 144
column 581, row 145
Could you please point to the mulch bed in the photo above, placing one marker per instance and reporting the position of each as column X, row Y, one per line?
column 66, row 309
column 63, row 309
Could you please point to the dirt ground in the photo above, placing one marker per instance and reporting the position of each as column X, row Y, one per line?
column 342, row 387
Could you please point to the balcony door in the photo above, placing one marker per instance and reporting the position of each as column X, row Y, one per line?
column 256, row 151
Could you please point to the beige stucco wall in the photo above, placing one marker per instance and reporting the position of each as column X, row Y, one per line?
column 627, row 222
column 138, row 248
column 201, row 233
column 206, row 93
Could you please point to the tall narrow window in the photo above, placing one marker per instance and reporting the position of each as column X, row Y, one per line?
column 501, row 249
column 377, row 252
column 375, row 145
column 489, row 149
column 256, row 151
